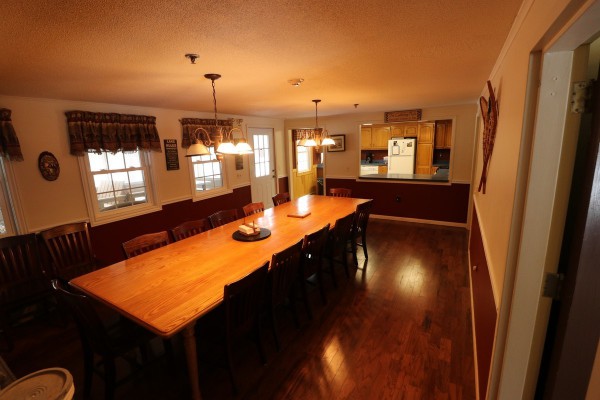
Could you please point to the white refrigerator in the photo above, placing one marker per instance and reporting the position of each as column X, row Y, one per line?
column 401, row 156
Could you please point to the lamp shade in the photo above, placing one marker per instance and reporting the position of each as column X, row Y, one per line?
column 310, row 143
column 327, row 141
column 226, row 148
column 243, row 148
column 197, row 149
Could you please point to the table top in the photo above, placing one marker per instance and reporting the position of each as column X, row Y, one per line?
column 168, row 288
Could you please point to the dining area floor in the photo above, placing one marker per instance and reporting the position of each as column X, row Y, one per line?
column 398, row 328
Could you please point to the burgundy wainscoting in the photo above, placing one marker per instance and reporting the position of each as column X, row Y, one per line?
column 448, row 203
column 283, row 185
column 107, row 238
column 484, row 312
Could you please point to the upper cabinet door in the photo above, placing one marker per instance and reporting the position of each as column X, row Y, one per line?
column 380, row 136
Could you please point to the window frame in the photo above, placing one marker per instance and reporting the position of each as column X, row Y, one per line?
column 98, row 217
column 14, row 222
column 215, row 192
column 309, row 160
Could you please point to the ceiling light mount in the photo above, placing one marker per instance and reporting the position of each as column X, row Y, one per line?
column 192, row 57
column 296, row 81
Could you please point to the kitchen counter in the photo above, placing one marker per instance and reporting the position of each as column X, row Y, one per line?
column 407, row 177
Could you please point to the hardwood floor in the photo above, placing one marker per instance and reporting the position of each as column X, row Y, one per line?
column 399, row 328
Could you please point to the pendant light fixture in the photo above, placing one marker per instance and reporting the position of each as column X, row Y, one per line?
column 201, row 137
column 317, row 137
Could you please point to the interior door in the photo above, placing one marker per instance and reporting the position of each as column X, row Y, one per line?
column 262, row 165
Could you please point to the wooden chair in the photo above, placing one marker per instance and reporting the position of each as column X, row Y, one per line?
column 190, row 228
column 311, row 258
column 359, row 229
column 281, row 198
column 283, row 275
column 243, row 302
column 253, row 208
column 70, row 249
column 340, row 192
column 335, row 250
column 22, row 281
column 109, row 341
column 145, row 243
column 223, row 217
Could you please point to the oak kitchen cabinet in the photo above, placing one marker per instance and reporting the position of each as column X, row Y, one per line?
column 443, row 134
column 424, row 157
column 374, row 137
column 406, row 130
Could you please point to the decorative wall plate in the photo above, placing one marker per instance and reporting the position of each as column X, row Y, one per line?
column 48, row 165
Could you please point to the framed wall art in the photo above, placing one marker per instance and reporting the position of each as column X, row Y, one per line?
column 340, row 143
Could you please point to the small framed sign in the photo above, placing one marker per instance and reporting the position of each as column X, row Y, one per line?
column 171, row 154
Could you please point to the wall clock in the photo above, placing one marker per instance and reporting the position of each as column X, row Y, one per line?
column 48, row 165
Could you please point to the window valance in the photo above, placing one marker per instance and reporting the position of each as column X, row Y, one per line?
column 9, row 143
column 97, row 132
column 189, row 125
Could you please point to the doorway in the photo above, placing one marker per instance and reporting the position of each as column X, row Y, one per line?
column 262, row 165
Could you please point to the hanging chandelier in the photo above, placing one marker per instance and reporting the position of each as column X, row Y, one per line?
column 316, row 137
column 201, row 137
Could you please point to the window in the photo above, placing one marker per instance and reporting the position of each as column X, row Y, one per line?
column 303, row 159
column 7, row 212
column 119, row 185
column 208, row 175
column 262, row 163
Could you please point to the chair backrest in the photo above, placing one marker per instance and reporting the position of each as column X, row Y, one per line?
column 340, row 192
column 281, row 198
column 340, row 235
column 21, row 272
column 223, row 217
column 70, row 249
column 244, row 299
column 284, row 272
column 361, row 218
column 253, row 208
column 190, row 228
column 90, row 326
column 145, row 243
column 313, row 247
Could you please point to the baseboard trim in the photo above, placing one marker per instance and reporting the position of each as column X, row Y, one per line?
column 421, row 221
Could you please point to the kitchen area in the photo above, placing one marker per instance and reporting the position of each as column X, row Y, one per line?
column 406, row 151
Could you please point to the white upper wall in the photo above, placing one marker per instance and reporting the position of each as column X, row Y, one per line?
column 41, row 126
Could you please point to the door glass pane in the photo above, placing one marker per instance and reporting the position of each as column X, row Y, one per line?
column 262, row 164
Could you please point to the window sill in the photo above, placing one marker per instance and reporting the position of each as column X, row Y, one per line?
column 210, row 194
column 101, row 218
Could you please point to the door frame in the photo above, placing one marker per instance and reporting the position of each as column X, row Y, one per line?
column 541, row 198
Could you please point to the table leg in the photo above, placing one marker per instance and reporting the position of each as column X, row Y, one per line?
column 189, row 341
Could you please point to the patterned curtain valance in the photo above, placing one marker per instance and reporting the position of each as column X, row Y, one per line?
column 189, row 125
column 9, row 143
column 97, row 132
column 300, row 133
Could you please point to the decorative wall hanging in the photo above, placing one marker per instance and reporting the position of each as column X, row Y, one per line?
column 171, row 154
column 489, row 111
column 48, row 165
column 402, row 116
column 9, row 143
column 340, row 143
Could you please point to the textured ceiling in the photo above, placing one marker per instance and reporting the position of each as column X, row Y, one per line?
column 383, row 54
